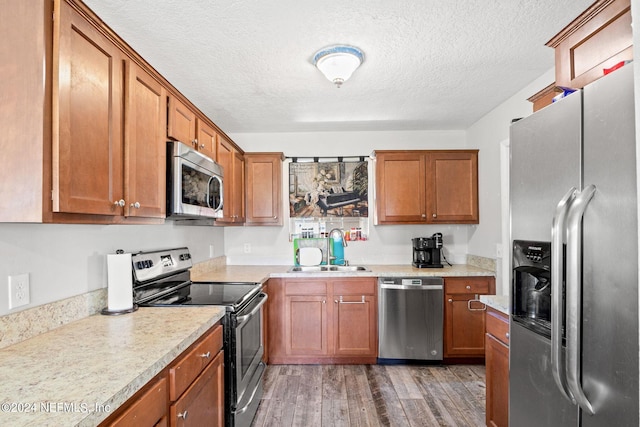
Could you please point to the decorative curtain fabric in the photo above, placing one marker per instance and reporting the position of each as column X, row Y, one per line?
column 323, row 189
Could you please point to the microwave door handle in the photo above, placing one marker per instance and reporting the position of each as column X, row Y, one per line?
column 574, row 296
column 219, row 205
column 558, row 365
column 209, row 192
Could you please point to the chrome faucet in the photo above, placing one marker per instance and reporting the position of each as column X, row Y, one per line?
column 339, row 230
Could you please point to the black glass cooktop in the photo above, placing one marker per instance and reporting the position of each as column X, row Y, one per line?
column 231, row 295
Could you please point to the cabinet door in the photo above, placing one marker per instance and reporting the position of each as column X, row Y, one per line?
column 203, row 402
column 497, row 374
column 264, row 189
column 226, row 152
column 182, row 122
column 306, row 325
column 400, row 187
column 207, row 139
column 452, row 187
column 145, row 144
column 87, row 118
column 238, row 206
column 464, row 315
column 355, row 325
column 464, row 326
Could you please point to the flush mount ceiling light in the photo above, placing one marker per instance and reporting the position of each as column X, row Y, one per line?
column 338, row 62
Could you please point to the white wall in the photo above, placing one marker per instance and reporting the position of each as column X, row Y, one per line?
column 486, row 135
column 386, row 244
column 68, row 260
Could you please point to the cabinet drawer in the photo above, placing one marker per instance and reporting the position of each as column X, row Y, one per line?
column 184, row 371
column 471, row 285
column 147, row 409
column 355, row 287
column 498, row 325
column 307, row 287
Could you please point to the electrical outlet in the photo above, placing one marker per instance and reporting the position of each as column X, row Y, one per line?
column 498, row 250
column 18, row 290
column 247, row 248
column 211, row 251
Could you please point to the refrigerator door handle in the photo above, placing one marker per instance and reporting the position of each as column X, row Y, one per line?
column 558, row 365
column 574, row 296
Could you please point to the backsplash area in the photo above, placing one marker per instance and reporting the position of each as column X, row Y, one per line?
column 28, row 323
column 482, row 262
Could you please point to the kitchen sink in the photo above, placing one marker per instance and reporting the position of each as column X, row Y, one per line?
column 328, row 269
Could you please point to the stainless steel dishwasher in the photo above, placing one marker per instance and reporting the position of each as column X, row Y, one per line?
column 410, row 316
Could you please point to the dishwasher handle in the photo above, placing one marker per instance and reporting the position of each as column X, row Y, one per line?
column 410, row 287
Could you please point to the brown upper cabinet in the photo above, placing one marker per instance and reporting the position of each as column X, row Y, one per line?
column 263, row 192
column 95, row 169
column 87, row 153
column 598, row 39
column 90, row 116
column 186, row 126
column 144, row 142
column 427, row 187
column 232, row 162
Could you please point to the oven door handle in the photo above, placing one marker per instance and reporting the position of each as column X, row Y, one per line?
column 244, row 318
column 242, row 410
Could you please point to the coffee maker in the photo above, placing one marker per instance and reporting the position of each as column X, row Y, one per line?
column 426, row 251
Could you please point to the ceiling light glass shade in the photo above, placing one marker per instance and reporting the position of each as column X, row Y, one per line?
column 338, row 63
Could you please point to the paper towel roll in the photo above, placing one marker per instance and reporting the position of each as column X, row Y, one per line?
column 120, row 282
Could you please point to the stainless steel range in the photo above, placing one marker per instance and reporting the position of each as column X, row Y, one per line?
column 162, row 279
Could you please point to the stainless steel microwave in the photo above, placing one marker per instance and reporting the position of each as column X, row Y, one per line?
column 194, row 184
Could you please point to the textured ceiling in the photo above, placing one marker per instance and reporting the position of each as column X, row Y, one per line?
column 428, row 64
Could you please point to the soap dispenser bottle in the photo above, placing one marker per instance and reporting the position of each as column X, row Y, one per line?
column 337, row 246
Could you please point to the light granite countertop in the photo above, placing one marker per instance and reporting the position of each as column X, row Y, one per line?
column 261, row 273
column 77, row 374
column 499, row 302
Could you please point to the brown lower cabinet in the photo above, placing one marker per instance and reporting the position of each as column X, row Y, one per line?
column 497, row 368
column 464, row 316
column 332, row 320
column 189, row 392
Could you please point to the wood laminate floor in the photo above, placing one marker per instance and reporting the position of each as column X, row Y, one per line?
column 372, row 395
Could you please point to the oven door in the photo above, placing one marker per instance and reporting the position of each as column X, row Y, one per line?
column 249, row 349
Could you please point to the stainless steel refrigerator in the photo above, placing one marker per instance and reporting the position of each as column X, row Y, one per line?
column 573, row 185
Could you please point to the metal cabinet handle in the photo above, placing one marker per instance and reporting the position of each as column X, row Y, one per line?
column 558, row 367
column 205, row 355
column 574, row 296
column 424, row 215
column 201, row 146
column 195, row 143
column 434, row 215
column 484, row 306
column 135, row 205
column 120, row 203
column 450, row 300
column 182, row 415
column 468, row 287
column 351, row 302
column 506, row 335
